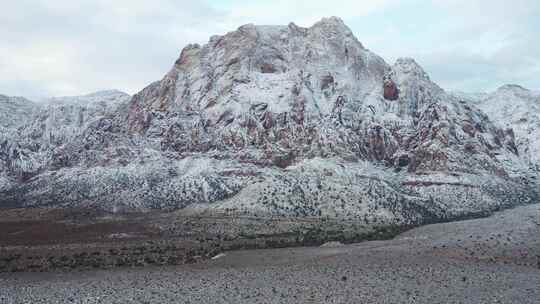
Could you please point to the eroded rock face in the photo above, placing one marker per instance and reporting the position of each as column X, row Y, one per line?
column 517, row 111
column 279, row 120
column 390, row 89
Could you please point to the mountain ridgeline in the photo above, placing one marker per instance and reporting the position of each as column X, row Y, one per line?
column 280, row 121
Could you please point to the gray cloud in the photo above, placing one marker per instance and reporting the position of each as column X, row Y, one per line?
column 489, row 43
column 59, row 48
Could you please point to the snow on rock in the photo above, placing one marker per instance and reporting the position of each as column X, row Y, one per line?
column 516, row 110
column 15, row 111
column 272, row 120
column 219, row 256
column 43, row 130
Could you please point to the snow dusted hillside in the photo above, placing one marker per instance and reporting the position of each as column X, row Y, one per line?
column 512, row 106
column 273, row 120
column 15, row 111
column 33, row 133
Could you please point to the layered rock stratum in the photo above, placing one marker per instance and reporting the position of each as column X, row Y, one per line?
column 279, row 121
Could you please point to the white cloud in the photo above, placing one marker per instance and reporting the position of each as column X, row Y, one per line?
column 304, row 12
column 496, row 41
column 74, row 47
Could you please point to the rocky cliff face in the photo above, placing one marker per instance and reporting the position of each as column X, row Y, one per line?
column 35, row 135
column 279, row 120
column 516, row 108
column 15, row 111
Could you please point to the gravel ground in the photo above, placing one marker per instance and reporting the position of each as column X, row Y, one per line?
column 491, row 260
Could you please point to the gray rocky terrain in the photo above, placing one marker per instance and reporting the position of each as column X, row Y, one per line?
column 489, row 260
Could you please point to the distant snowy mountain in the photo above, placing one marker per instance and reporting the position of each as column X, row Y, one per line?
column 514, row 107
column 16, row 111
column 33, row 132
column 105, row 98
column 273, row 120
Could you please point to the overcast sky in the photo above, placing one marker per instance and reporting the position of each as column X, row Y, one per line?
column 70, row 47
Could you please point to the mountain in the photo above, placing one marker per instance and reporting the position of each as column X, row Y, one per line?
column 15, row 111
column 274, row 120
column 36, row 133
column 516, row 108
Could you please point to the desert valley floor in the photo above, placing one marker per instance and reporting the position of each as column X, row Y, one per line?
column 488, row 260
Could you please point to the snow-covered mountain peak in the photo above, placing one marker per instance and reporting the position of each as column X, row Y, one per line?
column 275, row 69
column 15, row 111
column 105, row 96
column 280, row 120
column 333, row 21
column 512, row 88
column 332, row 24
column 513, row 106
column 409, row 67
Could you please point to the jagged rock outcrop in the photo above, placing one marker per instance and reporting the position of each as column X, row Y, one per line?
column 41, row 132
column 390, row 89
column 15, row 111
column 280, row 120
column 517, row 111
